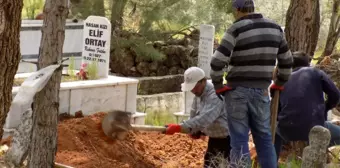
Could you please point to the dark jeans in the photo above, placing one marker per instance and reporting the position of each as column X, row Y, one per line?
column 249, row 109
column 217, row 147
column 333, row 129
column 278, row 145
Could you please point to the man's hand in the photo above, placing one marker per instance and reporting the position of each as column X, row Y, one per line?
column 274, row 87
column 172, row 129
column 221, row 92
column 196, row 135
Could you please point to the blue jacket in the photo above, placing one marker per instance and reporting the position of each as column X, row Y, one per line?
column 302, row 102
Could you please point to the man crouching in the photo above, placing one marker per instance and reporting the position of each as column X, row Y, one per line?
column 207, row 117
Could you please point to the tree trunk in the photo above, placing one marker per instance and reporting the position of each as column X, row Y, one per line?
column 84, row 8
column 10, row 25
column 148, row 16
column 303, row 25
column 334, row 30
column 98, row 8
column 117, row 13
column 46, row 102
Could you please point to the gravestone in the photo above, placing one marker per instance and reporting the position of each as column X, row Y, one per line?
column 96, row 45
column 205, row 52
column 205, row 47
column 315, row 155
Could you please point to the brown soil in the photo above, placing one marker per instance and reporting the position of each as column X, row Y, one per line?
column 82, row 144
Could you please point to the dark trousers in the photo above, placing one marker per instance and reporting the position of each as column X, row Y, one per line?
column 278, row 145
column 334, row 130
column 218, row 148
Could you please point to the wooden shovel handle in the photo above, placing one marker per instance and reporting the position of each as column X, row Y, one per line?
column 161, row 129
column 148, row 128
column 274, row 109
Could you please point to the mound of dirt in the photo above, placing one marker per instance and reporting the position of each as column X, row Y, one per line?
column 82, row 144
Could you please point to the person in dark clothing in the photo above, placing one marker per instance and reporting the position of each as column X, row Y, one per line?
column 217, row 148
column 302, row 103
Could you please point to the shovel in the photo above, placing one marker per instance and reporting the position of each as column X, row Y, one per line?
column 274, row 109
column 117, row 124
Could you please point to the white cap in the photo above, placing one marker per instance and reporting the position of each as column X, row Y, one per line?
column 191, row 76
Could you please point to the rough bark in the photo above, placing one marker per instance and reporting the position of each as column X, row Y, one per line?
column 84, row 8
column 334, row 30
column 303, row 25
column 117, row 13
column 149, row 16
column 46, row 102
column 98, row 8
column 10, row 24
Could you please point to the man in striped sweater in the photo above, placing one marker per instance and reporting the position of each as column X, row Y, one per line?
column 249, row 50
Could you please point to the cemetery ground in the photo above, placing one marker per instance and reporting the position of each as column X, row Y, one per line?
column 82, row 144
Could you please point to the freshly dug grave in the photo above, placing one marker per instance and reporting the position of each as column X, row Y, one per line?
column 82, row 144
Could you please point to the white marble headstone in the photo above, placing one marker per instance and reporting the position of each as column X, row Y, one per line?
column 205, row 47
column 96, row 44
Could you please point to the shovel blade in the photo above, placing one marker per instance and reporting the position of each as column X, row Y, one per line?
column 116, row 123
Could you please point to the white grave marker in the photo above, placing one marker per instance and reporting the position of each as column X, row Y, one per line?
column 96, row 44
column 205, row 47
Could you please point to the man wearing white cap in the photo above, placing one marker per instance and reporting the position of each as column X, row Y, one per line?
column 207, row 116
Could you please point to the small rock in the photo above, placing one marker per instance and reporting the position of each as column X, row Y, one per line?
column 78, row 114
column 158, row 44
column 162, row 71
column 180, row 71
column 133, row 69
column 173, row 70
column 172, row 60
column 194, row 52
column 143, row 68
column 121, row 61
column 126, row 165
column 154, row 66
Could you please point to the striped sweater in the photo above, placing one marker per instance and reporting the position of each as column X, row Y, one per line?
column 249, row 49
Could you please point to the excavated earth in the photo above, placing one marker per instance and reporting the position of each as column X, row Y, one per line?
column 82, row 144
